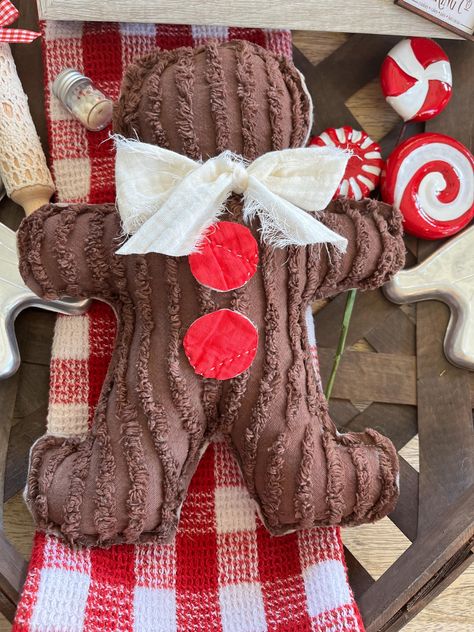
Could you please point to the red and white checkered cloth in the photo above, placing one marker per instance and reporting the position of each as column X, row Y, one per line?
column 8, row 14
column 223, row 572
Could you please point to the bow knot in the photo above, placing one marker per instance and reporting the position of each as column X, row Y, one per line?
column 167, row 201
column 240, row 178
column 8, row 14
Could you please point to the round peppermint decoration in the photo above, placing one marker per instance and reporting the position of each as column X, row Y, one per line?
column 430, row 179
column 416, row 79
column 227, row 259
column 363, row 170
column 221, row 345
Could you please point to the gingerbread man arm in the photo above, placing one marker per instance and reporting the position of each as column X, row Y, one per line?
column 375, row 250
column 67, row 250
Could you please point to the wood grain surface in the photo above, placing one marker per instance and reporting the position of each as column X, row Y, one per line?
column 356, row 16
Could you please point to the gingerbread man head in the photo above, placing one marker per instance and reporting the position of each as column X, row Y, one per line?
column 199, row 102
column 218, row 341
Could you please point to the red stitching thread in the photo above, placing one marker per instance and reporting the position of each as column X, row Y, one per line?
column 229, row 360
column 235, row 253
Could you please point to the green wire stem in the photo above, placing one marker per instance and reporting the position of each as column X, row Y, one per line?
column 351, row 296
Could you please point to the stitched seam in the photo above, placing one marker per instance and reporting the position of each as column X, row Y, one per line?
column 227, row 360
column 236, row 254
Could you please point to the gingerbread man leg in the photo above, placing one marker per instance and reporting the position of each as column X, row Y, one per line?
column 126, row 480
column 299, row 468
column 306, row 474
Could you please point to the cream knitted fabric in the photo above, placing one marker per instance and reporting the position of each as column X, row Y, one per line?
column 22, row 161
column 68, row 408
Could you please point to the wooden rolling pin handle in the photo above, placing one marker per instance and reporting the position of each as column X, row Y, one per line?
column 33, row 197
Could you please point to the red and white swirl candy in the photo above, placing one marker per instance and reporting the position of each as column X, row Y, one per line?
column 430, row 179
column 363, row 170
column 416, row 79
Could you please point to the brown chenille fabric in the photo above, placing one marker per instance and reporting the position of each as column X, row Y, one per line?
column 127, row 479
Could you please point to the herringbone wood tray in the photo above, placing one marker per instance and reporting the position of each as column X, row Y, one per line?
column 400, row 383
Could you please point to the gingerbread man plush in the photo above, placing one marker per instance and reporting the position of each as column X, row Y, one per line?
column 211, row 291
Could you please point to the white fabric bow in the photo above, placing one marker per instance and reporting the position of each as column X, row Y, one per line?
column 167, row 201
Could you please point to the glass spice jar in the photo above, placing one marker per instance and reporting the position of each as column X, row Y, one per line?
column 83, row 100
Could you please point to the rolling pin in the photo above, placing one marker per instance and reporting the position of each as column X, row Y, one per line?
column 23, row 167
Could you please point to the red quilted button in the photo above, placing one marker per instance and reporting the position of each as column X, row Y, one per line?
column 221, row 345
column 227, row 259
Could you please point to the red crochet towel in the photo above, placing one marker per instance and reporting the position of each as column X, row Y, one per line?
column 223, row 572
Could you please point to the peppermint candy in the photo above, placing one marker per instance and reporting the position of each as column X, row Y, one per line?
column 430, row 179
column 363, row 170
column 416, row 79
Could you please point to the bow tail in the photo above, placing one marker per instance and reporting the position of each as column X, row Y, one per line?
column 8, row 14
column 282, row 223
column 179, row 227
